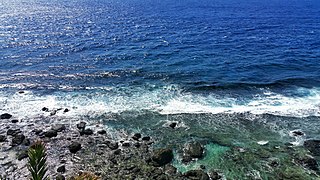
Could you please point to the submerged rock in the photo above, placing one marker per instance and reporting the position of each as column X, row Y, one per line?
column 173, row 125
column 262, row 143
column 196, row 175
column 296, row 133
column 194, row 150
column 162, row 157
column 313, row 146
column 74, row 147
column 308, row 162
column 146, row 138
column 214, row 175
column 5, row 116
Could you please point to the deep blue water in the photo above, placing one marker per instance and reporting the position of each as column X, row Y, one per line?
column 237, row 71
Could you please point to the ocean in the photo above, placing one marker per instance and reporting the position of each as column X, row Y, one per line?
column 230, row 72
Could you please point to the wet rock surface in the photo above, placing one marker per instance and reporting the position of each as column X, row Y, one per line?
column 196, row 175
column 313, row 146
column 194, row 150
column 74, row 147
column 161, row 157
column 5, row 116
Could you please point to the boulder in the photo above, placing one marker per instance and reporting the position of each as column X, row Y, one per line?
column 45, row 109
column 173, row 125
column 74, row 147
column 61, row 169
column 313, row 146
column 113, row 145
column 146, row 138
column 5, row 116
column 81, row 126
column 14, row 120
column 162, row 157
column 86, row 132
column 51, row 133
column 22, row 155
column 194, row 150
column 59, row 127
column 13, row 132
column 136, row 136
column 2, row 138
column 60, row 177
column 102, row 131
column 18, row 139
column 308, row 162
column 196, row 175
column 214, row 175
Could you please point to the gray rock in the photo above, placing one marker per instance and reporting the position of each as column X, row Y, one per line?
column 51, row 133
column 26, row 142
column 13, row 132
column 2, row 138
column 196, row 175
column 169, row 169
column 173, row 125
column 22, row 155
column 117, row 152
column 18, row 139
column 81, row 126
column 313, row 146
column 102, row 131
column 61, row 169
column 113, row 145
column 162, row 157
column 59, row 127
column 14, row 120
column 146, row 138
column 309, row 162
column 214, row 175
column 86, row 132
column 74, row 147
column 5, row 116
column 60, row 177
column 126, row 144
column 194, row 149
column 136, row 136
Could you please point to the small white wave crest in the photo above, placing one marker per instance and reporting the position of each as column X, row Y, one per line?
column 167, row 100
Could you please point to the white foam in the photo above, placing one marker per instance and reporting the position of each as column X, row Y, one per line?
column 168, row 100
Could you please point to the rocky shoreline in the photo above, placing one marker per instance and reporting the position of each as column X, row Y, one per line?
column 83, row 147
column 76, row 146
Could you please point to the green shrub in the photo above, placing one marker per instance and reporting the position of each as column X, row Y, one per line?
column 37, row 163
